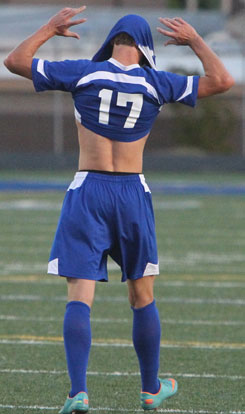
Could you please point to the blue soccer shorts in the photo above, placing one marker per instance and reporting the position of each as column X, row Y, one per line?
column 103, row 215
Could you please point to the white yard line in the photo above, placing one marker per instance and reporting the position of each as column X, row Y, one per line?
column 123, row 410
column 167, row 283
column 177, row 205
column 179, row 345
column 177, row 299
column 124, row 374
column 127, row 344
column 28, row 204
column 46, row 205
column 118, row 320
column 122, row 299
column 28, row 407
column 186, row 284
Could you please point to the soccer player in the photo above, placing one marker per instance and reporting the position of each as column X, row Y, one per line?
column 107, row 208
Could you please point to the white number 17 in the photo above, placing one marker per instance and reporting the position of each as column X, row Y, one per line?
column 122, row 100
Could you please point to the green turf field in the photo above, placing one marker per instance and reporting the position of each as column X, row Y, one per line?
column 200, row 295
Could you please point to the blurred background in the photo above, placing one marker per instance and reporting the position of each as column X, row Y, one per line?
column 38, row 130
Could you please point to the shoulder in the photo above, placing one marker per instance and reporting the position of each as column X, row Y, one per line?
column 156, row 77
column 159, row 75
column 63, row 66
column 73, row 65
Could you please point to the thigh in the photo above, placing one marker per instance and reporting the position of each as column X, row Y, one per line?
column 141, row 291
column 81, row 290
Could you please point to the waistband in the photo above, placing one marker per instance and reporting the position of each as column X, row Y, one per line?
column 109, row 172
column 81, row 176
column 104, row 176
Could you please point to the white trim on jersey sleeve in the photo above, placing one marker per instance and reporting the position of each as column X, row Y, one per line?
column 189, row 88
column 40, row 68
column 119, row 77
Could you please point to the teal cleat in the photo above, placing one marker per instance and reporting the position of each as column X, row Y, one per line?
column 168, row 387
column 76, row 405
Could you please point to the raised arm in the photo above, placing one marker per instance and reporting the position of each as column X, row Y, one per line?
column 217, row 79
column 19, row 61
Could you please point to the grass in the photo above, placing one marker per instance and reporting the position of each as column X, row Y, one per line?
column 200, row 296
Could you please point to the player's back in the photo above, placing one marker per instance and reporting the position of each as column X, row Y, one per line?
column 100, row 153
column 116, row 101
column 115, row 106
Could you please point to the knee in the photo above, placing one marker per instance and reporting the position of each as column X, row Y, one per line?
column 140, row 301
column 140, row 291
column 81, row 290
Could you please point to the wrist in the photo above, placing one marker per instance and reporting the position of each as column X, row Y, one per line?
column 196, row 41
column 48, row 30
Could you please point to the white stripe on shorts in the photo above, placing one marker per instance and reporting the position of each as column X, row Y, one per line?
column 78, row 180
column 53, row 266
column 151, row 269
column 142, row 179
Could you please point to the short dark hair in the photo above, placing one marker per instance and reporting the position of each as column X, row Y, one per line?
column 123, row 38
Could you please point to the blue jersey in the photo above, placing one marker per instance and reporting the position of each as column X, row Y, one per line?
column 116, row 101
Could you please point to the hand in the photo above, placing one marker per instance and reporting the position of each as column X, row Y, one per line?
column 61, row 22
column 182, row 33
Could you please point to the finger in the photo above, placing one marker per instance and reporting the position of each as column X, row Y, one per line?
column 66, row 11
column 72, row 34
column 170, row 42
column 75, row 22
column 176, row 21
column 80, row 9
column 165, row 32
column 180, row 20
column 173, row 21
column 169, row 23
column 75, row 11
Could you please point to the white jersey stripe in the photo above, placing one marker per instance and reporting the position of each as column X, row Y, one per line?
column 119, row 77
column 40, row 68
column 121, row 66
column 189, row 88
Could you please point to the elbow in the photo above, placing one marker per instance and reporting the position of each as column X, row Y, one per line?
column 212, row 85
column 10, row 63
column 225, row 83
column 228, row 82
column 19, row 66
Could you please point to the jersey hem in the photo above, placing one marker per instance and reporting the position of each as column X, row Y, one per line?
column 113, row 137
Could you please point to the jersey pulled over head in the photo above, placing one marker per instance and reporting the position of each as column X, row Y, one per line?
column 136, row 27
column 113, row 100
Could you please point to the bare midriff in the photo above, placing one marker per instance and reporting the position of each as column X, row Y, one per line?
column 103, row 154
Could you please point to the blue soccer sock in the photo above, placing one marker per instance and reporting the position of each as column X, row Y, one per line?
column 77, row 340
column 146, row 339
